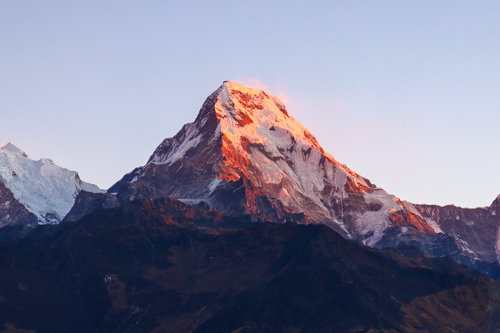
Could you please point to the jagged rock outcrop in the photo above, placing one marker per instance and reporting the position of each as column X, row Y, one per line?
column 476, row 230
column 11, row 211
column 87, row 202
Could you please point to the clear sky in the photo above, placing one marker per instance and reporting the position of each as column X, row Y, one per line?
column 406, row 93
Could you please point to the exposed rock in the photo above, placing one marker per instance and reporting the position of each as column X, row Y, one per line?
column 11, row 211
column 476, row 231
column 87, row 202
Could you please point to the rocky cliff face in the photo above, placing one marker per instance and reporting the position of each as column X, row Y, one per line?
column 476, row 231
column 245, row 154
column 12, row 212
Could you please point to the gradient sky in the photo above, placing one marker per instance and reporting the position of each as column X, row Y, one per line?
column 406, row 93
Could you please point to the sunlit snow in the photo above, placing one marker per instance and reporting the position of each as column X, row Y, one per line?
column 44, row 188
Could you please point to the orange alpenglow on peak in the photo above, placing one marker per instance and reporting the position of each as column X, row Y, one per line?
column 11, row 148
column 245, row 154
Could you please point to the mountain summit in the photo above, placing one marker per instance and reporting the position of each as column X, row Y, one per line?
column 245, row 154
column 10, row 147
column 34, row 192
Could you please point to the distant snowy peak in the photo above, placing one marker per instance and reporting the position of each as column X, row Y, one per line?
column 42, row 187
column 11, row 148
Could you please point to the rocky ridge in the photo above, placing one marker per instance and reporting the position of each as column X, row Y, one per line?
column 246, row 155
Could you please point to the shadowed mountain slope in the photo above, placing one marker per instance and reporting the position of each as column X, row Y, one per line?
column 164, row 266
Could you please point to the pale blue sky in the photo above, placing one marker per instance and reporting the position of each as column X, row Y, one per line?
column 406, row 93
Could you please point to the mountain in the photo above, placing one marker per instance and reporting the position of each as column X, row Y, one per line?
column 246, row 155
column 164, row 266
column 34, row 192
column 137, row 259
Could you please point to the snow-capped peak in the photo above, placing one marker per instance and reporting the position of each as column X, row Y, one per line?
column 11, row 148
column 42, row 187
column 251, row 116
column 245, row 134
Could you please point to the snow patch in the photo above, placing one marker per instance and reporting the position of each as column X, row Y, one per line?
column 431, row 223
column 213, row 185
column 374, row 223
column 340, row 180
column 192, row 139
column 191, row 202
column 437, row 229
column 464, row 246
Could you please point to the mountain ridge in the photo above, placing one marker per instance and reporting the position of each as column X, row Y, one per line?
column 244, row 154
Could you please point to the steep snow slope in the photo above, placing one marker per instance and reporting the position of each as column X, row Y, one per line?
column 245, row 150
column 45, row 189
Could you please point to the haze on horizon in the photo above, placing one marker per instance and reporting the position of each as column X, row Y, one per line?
column 405, row 94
